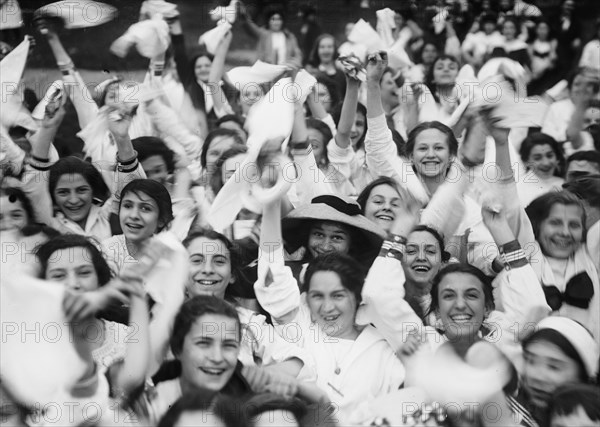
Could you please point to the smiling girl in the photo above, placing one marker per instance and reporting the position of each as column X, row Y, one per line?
column 564, row 266
column 544, row 161
column 145, row 209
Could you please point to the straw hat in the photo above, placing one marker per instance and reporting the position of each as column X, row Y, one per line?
column 295, row 226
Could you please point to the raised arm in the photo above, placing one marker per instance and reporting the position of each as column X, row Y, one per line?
column 76, row 88
column 221, row 105
column 348, row 114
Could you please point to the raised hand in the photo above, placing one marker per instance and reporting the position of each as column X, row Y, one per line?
column 376, row 65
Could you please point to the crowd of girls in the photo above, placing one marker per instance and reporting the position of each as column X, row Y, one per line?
column 388, row 247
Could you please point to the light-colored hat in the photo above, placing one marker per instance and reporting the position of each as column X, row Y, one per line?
column 580, row 338
column 331, row 208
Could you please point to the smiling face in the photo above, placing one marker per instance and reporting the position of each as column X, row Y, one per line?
column 431, row 154
column 73, row 196
column 73, row 267
column 156, row 168
column 546, row 367
column 422, row 259
column 561, row 233
column 332, row 306
column 202, row 68
column 13, row 215
column 328, row 237
column 210, row 267
column 209, row 352
column 543, row 161
column 461, row 305
column 382, row 206
column 139, row 216
column 445, row 71
column 326, row 50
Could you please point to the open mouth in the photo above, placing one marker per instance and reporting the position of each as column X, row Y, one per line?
column 331, row 318
column 562, row 243
column 74, row 209
column 134, row 227
column 207, row 282
column 213, row 371
column 385, row 217
column 461, row 318
column 421, row 268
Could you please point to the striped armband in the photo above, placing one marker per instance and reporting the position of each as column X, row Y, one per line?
column 128, row 165
column 39, row 163
column 66, row 68
column 393, row 248
column 512, row 255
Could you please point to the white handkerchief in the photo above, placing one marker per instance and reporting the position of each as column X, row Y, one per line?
column 37, row 358
column 212, row 38
column 364, row 34
column 305, row 83
column 225, row 13
column 150, row 38
column 260, row 72
column 161, row 7
column 80, row 13
column 439, row 21
column 397, row 57
column 385, row 25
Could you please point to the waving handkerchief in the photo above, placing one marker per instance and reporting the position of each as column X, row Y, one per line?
column 260, row 72
column 398, row 58
column 12, row 111
column 354, row 67
column 37, row 358
column 446, row 378
column 212, row 38
column 364, row 34
column 150, row 38
column 385, row 25
column 439, row 20
column 79, row 14
column 304, row 83
column 150, row 8
column 225, row 13
column 270, row 120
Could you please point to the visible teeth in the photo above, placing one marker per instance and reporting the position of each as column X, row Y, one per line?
column 134, row 226
column 421, row 268
column 212, row 371
column 330, row 318
column 385, row 217
column 207, row 282
column 461, row 317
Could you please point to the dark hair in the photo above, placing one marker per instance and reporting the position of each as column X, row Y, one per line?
column 274, row 11
column 568, row 397
column 33, row 229
column 261, row 403
column 488, row 17
column 429, row 78
column 427, row 43
column 227, row 409
column 332, row 88
column 591, row 156
column 148, row 146
column 445, row 254
column 539, row 209
column 194, row 89
column 539, row 138
column 195, row 308
column 313, row 57
column 219, row 132
column 516, row 21
column 73, row 165
column 16, row 194
column 216, row 180
column 558, row 339
column 450, row 138
column 486, row 284
column 366, row 193
column 158, row 193
column 349, row 271
column 230, row 118
column 234, row 252
column 399, row 142
column 323, row 129
column 45, row 251
column 587, row 188
column 336, row 112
